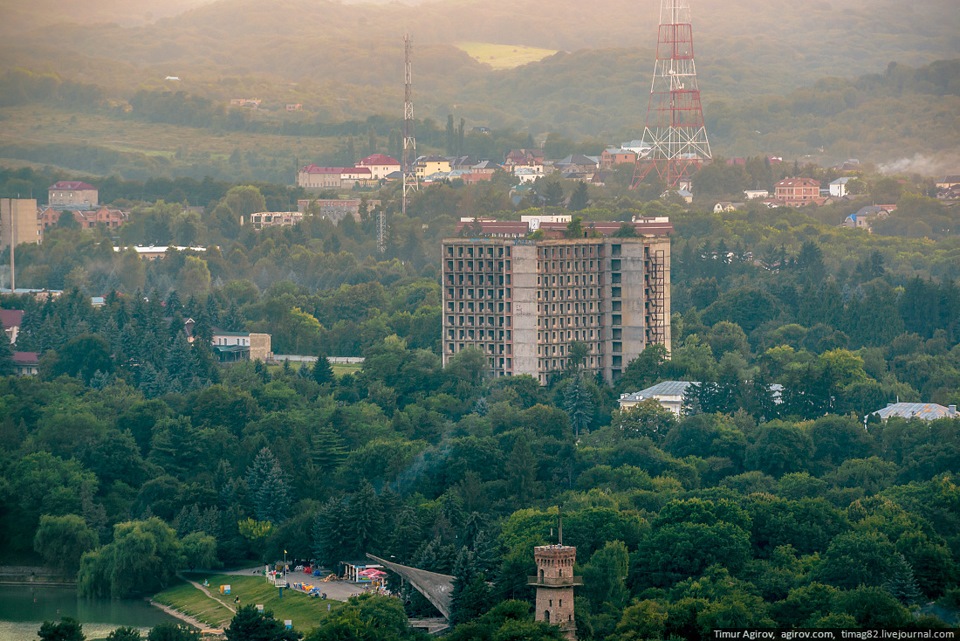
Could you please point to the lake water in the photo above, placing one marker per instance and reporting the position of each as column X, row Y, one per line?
column 24, row 608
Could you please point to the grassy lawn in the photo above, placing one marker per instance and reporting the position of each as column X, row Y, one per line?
column 503, row 56
column 339, row 369
column 305, row 612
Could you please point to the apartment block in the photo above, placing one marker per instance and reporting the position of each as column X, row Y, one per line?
column 524, row 298
column 19, row 222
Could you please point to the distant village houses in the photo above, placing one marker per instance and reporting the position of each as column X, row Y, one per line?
column 838, row 188
column 86, row 219
column 26, row 363
column 336, row 209
column 368, row 172
column 313, row 177
column 72, row 194
column 798, row 192
column 430, row 165
column 864, row 217
column 948, row 187
column 11, row 319
column 613, row 156
column 380, row 165
column 232, row 347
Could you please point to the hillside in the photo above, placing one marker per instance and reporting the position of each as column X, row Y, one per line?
column 752, row 47
column 904, row 117
column 761, row 68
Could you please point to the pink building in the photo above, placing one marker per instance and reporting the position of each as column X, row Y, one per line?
column 798, row 192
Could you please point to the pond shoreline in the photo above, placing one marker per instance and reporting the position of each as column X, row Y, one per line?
column 34, row 576
column 186, row 618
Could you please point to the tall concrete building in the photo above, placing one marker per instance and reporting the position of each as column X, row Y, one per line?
column 523, row 296
column 19, row 221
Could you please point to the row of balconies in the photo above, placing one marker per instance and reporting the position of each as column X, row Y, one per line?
column 472, row 251
column 468, row 293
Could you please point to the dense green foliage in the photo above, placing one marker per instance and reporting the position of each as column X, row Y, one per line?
column 135, row 454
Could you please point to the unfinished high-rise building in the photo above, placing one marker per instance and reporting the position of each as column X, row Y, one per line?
column 533, row 294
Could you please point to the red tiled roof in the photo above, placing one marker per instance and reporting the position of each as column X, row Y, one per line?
column 378, row 159
column 26, row 358
column 357, row 170
column 70, row 184
column 11, row 317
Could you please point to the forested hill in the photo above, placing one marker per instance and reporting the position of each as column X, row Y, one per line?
column 903, row 117
column 752, row 46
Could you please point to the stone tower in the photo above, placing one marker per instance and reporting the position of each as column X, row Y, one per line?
column 554, row 583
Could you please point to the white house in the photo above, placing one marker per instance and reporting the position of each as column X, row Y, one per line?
column 236, row 346
column 668, row 393
column 838, row 188
column 380, row 165
column 528, row 174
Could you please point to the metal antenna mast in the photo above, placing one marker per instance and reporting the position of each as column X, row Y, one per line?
column 409, row 158
column 674, row 139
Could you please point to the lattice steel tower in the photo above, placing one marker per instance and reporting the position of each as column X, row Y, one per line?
column 674, row 139
column 409, row 141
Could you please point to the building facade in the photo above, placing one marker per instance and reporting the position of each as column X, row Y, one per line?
column 85, row 218
column 555, row 582
column 19, row 222
column 263, row 219
column 798, row 192
column 380, row 165
column 524, row 301
column 313, row 177
column 72, row 194
column 668, row 393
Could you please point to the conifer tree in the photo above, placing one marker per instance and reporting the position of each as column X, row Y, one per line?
column 6, row 355
column 322, row 372
column 268, row 488
column 578, row 405
column 470, row 596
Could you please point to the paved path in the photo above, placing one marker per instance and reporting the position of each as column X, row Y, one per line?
column 186, row 618
column 200, row 625
column 209, row 594
column 336, row 590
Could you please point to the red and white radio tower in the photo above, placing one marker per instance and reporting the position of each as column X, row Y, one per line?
column 674, row 137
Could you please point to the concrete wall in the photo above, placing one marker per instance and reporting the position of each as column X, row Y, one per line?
column 19, row 216
column 260, row 347
column 523, row 304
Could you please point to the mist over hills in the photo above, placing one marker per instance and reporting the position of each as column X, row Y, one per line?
column 344, row 61
column 756, row 42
